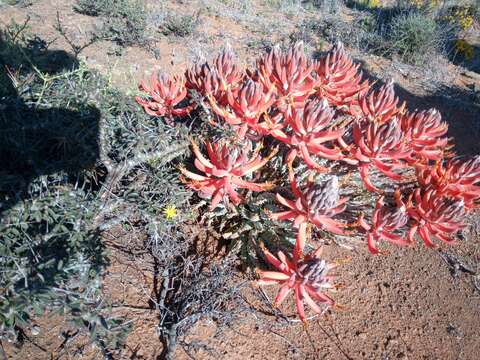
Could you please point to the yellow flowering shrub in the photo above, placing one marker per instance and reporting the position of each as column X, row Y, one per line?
column 462, row 16
column 371, row 3
column 464, row 48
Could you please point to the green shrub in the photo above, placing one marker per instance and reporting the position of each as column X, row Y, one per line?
column 326, row 6
column 124, row 21
column 95, row 8
column 362, row 33
column 78, row 157
column 180, row 25
column 415, row 37
column 290, row 8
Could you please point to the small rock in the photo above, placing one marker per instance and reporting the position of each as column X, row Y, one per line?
column 35, row 330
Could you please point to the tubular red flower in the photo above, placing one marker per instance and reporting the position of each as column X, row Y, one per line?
column 215, row 80
column 165, row 94
column 310, row 127
column 228, row 70
column 457, row 178
column 290, row 75
column 307, row 276
column 379, row 145
column 387, row 222
column 316, row 205
column 436, row 216
column 223, row 172
column 380, row 105
column 338, row 78
column 204, row 80
column 247, row 103
column 424, row 132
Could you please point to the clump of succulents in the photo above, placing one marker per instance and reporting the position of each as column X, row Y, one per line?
column 293, row 110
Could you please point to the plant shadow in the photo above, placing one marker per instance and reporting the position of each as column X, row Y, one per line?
column 459, row 107
column 36, row 139
column 45, row 150
column 471, row 61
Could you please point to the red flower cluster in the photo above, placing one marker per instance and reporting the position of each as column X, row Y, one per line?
column 315, row 205
column 165, row 94
column 386, row 138
column 307, row 276
column 320, row 110
column 224, row 171
column 435, row 209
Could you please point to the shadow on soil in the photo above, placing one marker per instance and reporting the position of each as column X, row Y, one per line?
column 473, row 63
column 460, row 108
column 36, row 139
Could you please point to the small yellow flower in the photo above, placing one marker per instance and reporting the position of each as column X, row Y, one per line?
column 170, row 212
column 462, row 17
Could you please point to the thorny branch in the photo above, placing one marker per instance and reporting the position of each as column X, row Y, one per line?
column 77, row 49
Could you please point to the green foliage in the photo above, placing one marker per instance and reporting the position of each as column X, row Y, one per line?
column 95, row 8
column 242, row 5
column 45, row 244
column 78, row 157
column 326, row 6
column 248, row 225
column 415, row 37
column 290, row 8
column 124, row 21
column 180, row 25
column 402, row 31
column 51, row 253
column 279, row 4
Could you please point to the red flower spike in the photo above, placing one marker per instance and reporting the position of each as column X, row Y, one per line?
column 381, row 105
column 378, row 145
column 227, row 69
column 316, row 205
column 204, row 80
column 309, row 133
column 435, row 216
column 165, row 94
column 248, row 102
column 339, row 80
column 424, row 131
column 290, row 74
column 273, row 125
column 215, row 80
column 224, row 171
column 195, row 77
column 458, row 178
column 307, row 277
column 385, row 222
